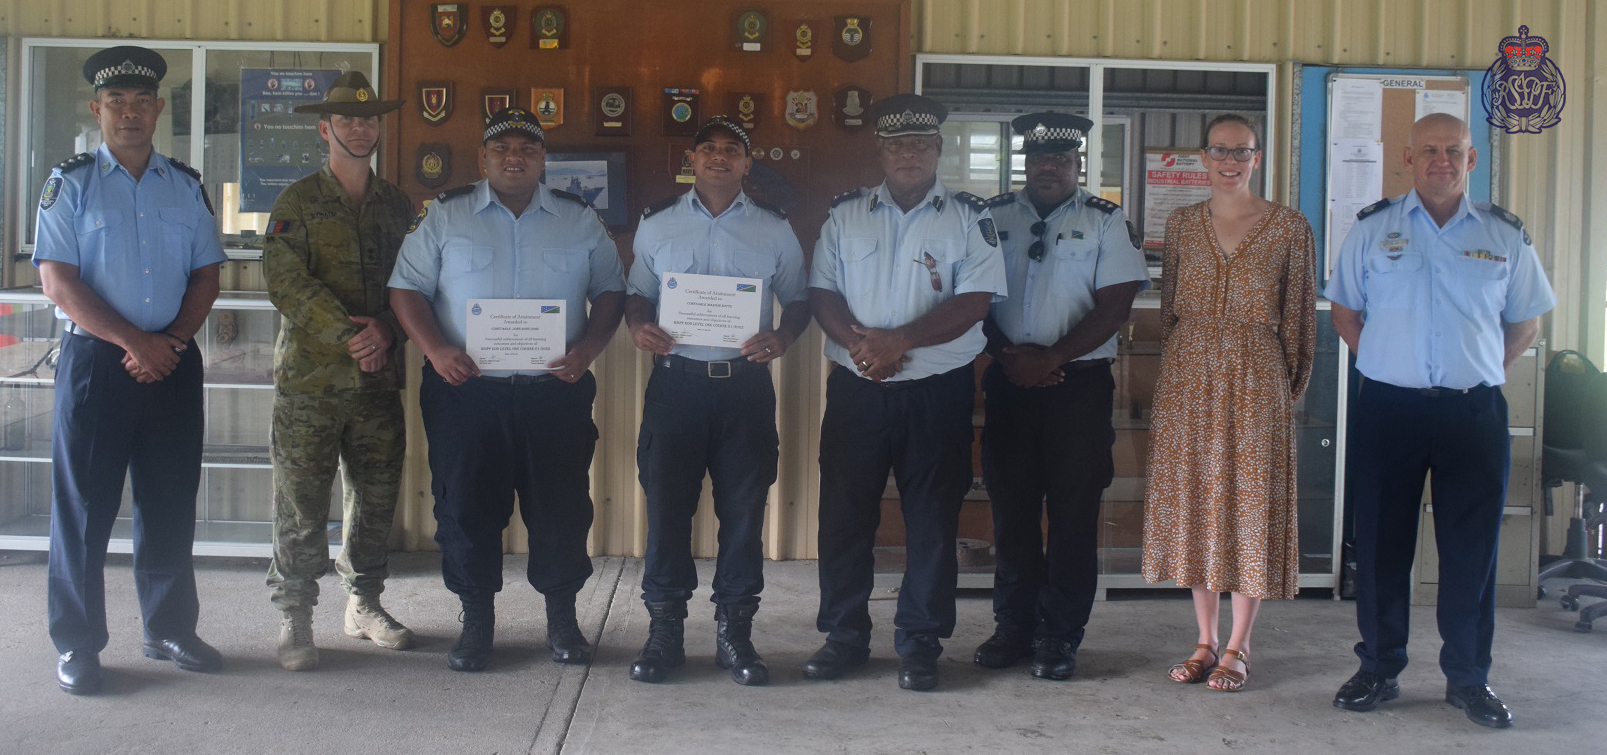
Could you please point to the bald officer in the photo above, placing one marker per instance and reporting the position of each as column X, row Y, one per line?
column 711, row 409
column 1073, row 265
column 129, row 251
column 497, row 432
column 1437, row 295
column 903, row 275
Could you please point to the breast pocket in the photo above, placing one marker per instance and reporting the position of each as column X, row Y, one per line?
column 179, row 226
column 1393, row 279
column 859, row 279
column 1484, row 279
column 91, row 222
column 468, row 271
column 1075, row 262
column 565, row 270
column 754, row 265
column 948, row 254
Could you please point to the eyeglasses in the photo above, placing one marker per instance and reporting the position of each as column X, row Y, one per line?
column 1035, row 252
column 1241, row 154
column 917, row 145
column 931, row 269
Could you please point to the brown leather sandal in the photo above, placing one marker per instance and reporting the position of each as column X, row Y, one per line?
column 1232, row 681
column 1195, row 669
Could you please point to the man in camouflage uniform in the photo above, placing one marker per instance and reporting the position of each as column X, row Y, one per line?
column 332, row 241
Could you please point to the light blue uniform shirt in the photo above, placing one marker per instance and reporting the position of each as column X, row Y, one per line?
column 468, row 246
column 1086, row 247
column 1435, row 297
column 134, row 242
column 745, row 241
column 873, row 254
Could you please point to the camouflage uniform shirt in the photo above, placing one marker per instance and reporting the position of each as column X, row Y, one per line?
column 325, row 261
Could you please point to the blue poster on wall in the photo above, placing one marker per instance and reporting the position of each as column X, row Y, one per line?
column 276, row 145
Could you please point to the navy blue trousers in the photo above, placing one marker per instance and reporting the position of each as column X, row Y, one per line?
column 726, row 427
column 489, row 440
column 108, row 426
column 1397, row 436
column 922, row 432
column 1047, row 449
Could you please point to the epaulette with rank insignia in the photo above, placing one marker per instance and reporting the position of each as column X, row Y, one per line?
column 770, row 208
column 1001, row 200
column 660, row 206
column 1372, row 208
column 847, row 195
column 195, row 174
column 1506, row 216
column 455, row 192
column 571, row 196
column 75, row 162
column 1102, row 204
column 971, row 200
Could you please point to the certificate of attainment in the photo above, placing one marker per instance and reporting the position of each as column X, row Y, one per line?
column 515, row 334
column 709, row 310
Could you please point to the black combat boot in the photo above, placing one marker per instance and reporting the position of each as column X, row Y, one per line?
column 733, row 645
column 473, row 649
column 664, row 648
column 564, row 638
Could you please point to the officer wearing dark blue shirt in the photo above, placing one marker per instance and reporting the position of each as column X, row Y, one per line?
column 902, row 276
column 1436, row 295
column 1073, row 266
column 711, row 408
column 128, row 250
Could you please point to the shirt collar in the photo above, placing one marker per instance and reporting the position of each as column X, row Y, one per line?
column 937, row 197
column 107, row 162
column 1078, row 197
column 1464, row 208
column 331, row 185
column 484, row 197
column 693, row 202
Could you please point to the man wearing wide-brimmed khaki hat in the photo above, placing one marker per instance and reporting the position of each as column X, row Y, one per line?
column 331, row 242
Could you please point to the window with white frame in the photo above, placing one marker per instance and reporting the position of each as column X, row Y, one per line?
column 56, row 122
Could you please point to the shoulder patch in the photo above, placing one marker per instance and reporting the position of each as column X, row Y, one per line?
column 989, row 234
column 1372, row 208
column 1103, row 205
column 847, row 195
column 1001, row 200
column 576, row 198
column 419, row 218
column 276, row 227
column 75, row 162
column 770, row 208
column 971, row 200
column 660, row 206
column 195, row 174
column 451, row 193
column 52, row 190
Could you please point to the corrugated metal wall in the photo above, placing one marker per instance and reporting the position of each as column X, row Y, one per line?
column 1557, row 180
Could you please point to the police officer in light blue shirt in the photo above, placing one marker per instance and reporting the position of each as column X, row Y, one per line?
column 711, row 409
column 128, row 250
column 1073, row 267
column 1437, row 295
column 902, row 276
column 496, row 432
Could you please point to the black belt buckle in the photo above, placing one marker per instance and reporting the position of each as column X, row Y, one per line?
column 724, row 370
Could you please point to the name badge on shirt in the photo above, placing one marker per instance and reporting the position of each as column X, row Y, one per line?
column 1393, row 243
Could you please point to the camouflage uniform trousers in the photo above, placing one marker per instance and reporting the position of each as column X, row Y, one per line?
column 312, row 433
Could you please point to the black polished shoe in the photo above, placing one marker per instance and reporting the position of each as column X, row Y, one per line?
column 78, row 672
column 917, row 672
column 189, row 654
column 564, row 638
column 1053, row 659
column 1480, row 704
column 472, row 652
column 1365, row 690
column 834, row 658
column 1007, row 645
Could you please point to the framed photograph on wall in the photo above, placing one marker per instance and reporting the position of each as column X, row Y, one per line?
column 598, row 177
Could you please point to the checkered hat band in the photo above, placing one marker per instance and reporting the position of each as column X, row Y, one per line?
column 528, row 127
column 897, row 121
column 123, row 69
column 1053, row 135
column 720, row 121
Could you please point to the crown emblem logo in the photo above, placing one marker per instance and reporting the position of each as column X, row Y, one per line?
column 1040, row 131
column 1523, row 52
column 1524, row 91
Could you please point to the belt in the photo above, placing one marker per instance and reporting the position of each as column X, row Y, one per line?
column 1085, row 364
column 78, row 330
column 1433, row 392
column 720, row 369
column 519, row 379
column 893, row 385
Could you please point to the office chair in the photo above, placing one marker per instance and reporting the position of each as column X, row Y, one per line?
column 1574, row 448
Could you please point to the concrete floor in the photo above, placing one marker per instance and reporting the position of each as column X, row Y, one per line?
column 368, row 700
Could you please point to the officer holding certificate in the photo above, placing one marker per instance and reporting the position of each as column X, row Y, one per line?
column 711, row 408
column 496, row 432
